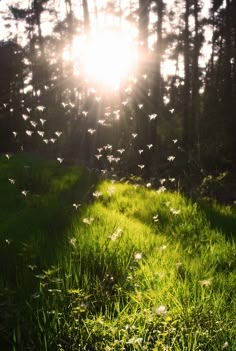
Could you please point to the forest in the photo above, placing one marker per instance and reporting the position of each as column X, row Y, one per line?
column 117, row 175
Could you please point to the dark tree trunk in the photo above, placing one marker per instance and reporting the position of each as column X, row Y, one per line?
column 187, row 94
column 159, row 52
column 228, row 103
column 194, row 131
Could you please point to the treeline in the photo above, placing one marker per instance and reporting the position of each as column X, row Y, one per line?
column 153, row 120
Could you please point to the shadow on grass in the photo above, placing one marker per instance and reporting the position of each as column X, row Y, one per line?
column 220, row 218
column 34, row 227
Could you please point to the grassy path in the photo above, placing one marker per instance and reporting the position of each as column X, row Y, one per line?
column 134, row 269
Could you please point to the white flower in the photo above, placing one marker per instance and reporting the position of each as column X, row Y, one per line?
column 174, row 211
column 226, row 344
column 160, row 310
column 163, row 247
column 88, row 220
column 206, row 282
column 138, row 256
column 161, row 189
column 135, row 340
column 111, row 190
column 116, row 234
column 72, row 241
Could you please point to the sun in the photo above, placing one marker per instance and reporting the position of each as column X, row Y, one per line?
column 105, row 58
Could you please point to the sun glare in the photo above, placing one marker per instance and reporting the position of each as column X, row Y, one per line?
column 106, row 58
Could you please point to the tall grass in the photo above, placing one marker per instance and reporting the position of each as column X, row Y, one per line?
column 134, row 269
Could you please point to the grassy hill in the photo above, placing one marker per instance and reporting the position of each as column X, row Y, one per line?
column 88, row 265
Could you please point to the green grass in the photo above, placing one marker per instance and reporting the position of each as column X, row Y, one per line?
column 107, row 276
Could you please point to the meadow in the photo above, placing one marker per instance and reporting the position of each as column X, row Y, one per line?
column 95, row 264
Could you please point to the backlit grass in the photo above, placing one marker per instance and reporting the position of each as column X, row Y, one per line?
column 133, row 269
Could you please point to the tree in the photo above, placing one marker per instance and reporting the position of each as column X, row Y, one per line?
column 186, row 96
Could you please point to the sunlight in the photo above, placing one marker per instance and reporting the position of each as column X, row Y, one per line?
column 105, row 58
column 168, row 68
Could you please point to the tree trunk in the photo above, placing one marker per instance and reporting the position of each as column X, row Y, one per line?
column 86, row 16
column 230, row 120
column 159, row 52
column 194, row 132
column 186, row 98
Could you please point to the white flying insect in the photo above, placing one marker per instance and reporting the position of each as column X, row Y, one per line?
column 42, row 121
column 24, row 192
column 41, row 133
column 98, row 156
column 25, row 117
column 76, row 206
column 152, row 116
column 91, row 131
column 121, row 151
column 33, row 123
column 40, row 108
column 58, row 134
